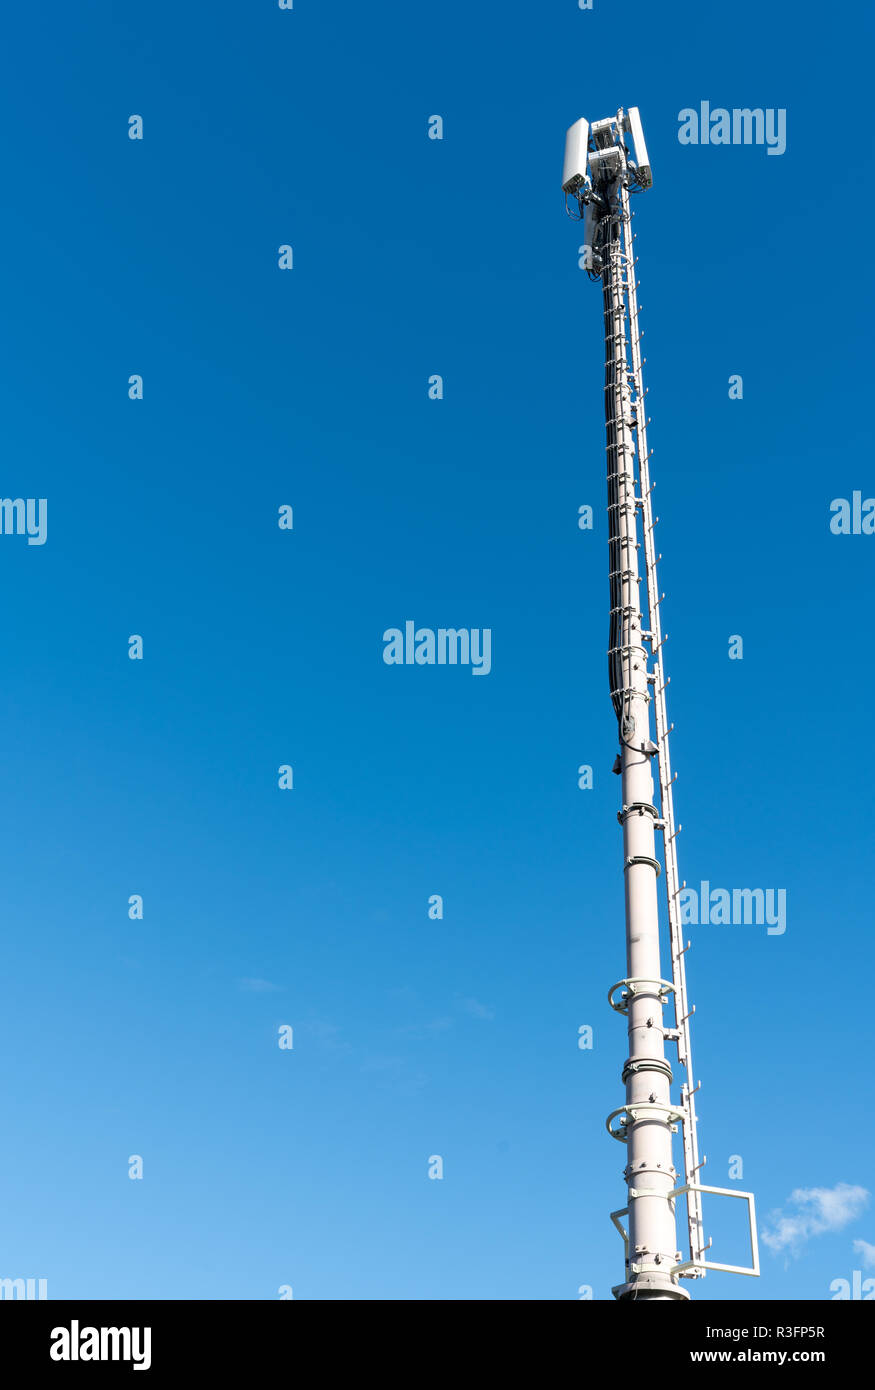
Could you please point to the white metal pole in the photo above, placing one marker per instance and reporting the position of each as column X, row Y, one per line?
column 599, row 173
column 670, row 830
column 648, row 1120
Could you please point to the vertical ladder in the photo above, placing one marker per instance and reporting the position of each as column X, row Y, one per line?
column 669, row 829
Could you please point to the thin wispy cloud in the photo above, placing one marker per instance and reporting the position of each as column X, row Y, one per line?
column 256, row 986
column 425, row 1030
column 475, row 1009
column 323, row 1037
column 813, row 1211
column 866, row 1253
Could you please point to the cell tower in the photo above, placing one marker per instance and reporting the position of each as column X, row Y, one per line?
column 600, row 174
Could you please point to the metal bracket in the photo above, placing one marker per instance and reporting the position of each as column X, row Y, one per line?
column 635, row 1065
column 692, row 1269
column 694, row 1266
column 639, row 984
column 650, row 1110
column 623, row 1211
column 643, row 859
column 640, row 807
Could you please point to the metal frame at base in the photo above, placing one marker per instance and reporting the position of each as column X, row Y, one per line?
column 695, row 1269
column 695, row 1265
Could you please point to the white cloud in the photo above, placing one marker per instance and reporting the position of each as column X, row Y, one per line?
column 866, row 1253
column 817, row 1210
column 475, row 1008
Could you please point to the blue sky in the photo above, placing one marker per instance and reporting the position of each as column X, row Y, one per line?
column 308, row 387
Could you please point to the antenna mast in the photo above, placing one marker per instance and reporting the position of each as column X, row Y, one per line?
column 600, row 174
